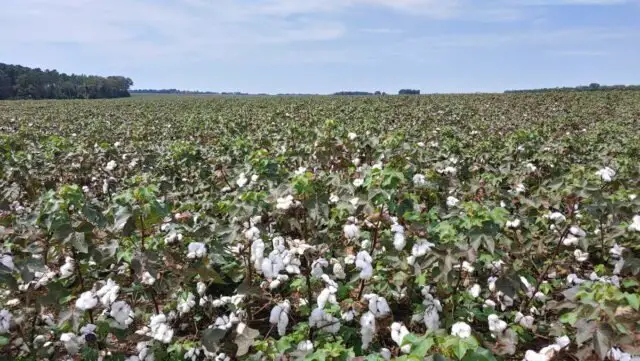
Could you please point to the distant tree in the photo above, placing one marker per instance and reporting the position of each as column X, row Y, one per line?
column 19, row 82
column 353, row 93
column 580, row 88
column 409, row 92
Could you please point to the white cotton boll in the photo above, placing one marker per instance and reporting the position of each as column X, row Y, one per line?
column 524, row 321
column 385, row 353
column 283, row 321
column 351, row 231
column 108, row 293
column 147, row 279
column 284, row 203
column 635, row 224
column 606, row 174
column 496, row 325
column 111, row 165
column 475, row 290
column 333, row 198
column 121, row 313
column 338, row 271
column 577, row 231
column 399, row 241
column 570, row 240
column 242, row 180
column 186, row 304
column 452, row 201
column 86, row 301
column 368, row 329
column 421, row 247
column 531, row 355
column 616, row 251
column 7, row 261
column 398, row 332
column 196, row 250
column 563, row 341
column 323, row 297
column 580, row 256
column 491, row 282
column 489, row 303
column 348, row 316
column 358, row 182
column 352, row 136
column 461, row 329
column 163, row 333
column 466, row 266
column 520, row 188
column 5, row 321
column 513, row 224
column 431, row 318
column 201, row 287
column 354, row 201
column 317, row 267
column 305, row 347
column 419, row 180
column 557, row 217
column 71, row 342
column 252, row 234
column 531, row 168
column 67, row 268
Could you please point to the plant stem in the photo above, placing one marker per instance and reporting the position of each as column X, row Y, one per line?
column 546, row 269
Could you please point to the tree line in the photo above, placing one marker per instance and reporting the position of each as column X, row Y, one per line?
column 19, row 82
column 581, row 88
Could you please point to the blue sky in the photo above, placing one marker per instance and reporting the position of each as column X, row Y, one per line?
column 322, row 46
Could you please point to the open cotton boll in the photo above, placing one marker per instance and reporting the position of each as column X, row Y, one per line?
column 452, row 201
column 606, row 174
column 635, row 224
column 86, row 301
column 496, row 325
column 147, row 279
column 186, row 304
column 421, row 247
column 67, row 268
column 378, row 306
column 367, row 329
column 363, row 263
column 242, row 180
column 398, row 332
column 285, row 203
column 351, row 231
column 108, row 293
column 419, row 180
column 317, row 267
column 524, row 321
column 399, row 241
column 580, row 256
column 196, row 250
column 122, row 313
column 475, row 290
column 71, row 342
column 513, row 224
column 5, row 321
column 461, row 329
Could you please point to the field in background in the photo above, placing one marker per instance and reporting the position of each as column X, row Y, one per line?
column 185, row 201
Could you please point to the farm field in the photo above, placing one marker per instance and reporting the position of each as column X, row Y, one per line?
column 444, row 227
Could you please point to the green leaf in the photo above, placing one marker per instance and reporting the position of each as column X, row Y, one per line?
column 633, row 300
column 421, row 347
column 602, row 340
column 480, row 354
column 211, row 337
column 245, row 340
column 460, row 349
column 121, row 218
column 569, row 317
column 4, row 341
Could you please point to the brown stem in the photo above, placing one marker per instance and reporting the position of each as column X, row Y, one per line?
column 546, row 269
column 155, row 302
column 142, row 232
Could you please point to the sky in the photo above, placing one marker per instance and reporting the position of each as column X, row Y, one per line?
column 324, row 46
